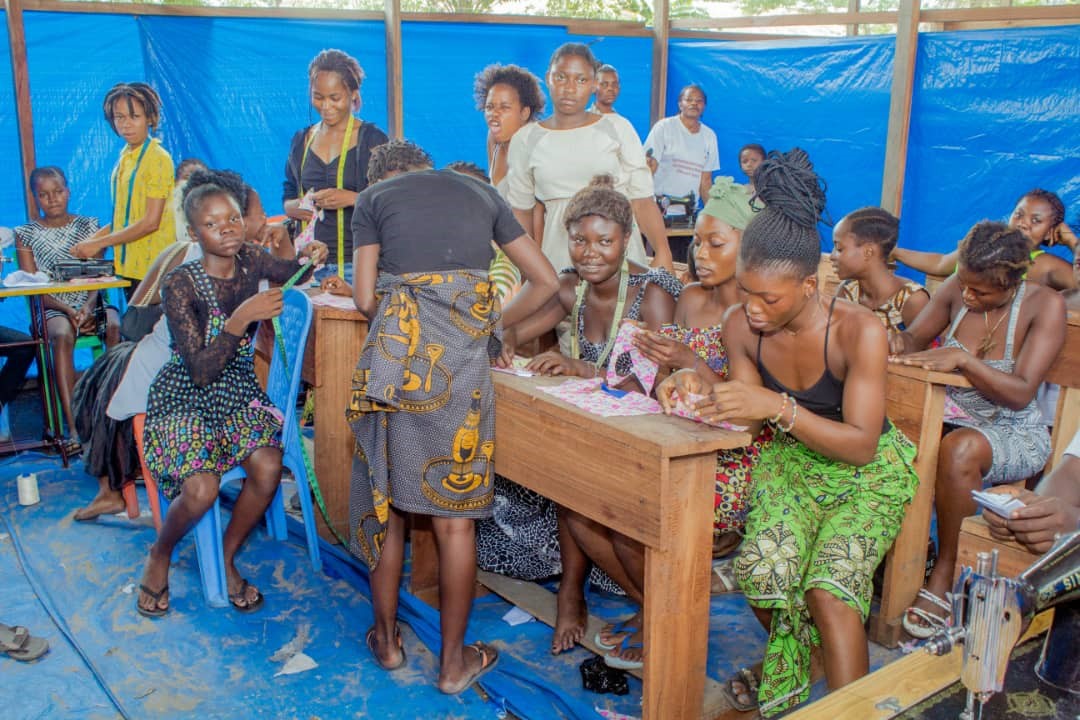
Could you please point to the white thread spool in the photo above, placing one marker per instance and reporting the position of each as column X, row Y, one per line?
column 28, row 489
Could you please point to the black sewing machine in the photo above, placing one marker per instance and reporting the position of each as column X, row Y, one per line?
column 678, row 212
column 65, row 270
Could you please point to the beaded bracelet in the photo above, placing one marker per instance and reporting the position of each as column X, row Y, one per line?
column 794, row 414
column 775, row 419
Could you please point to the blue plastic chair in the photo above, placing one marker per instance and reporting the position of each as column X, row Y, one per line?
column 282, row 386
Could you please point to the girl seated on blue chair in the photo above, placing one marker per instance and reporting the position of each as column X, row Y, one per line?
column 206, row 412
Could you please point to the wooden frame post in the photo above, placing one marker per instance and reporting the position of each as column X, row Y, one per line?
column 661, row 30
column 21, row 76
column 853, row 6
column 394, row 107
column 903, row 86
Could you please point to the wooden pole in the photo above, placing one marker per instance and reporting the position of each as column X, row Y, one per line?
column 21, row 75
column 661, row 30
column 853, row 6
column 903, row 85
column 394, row 108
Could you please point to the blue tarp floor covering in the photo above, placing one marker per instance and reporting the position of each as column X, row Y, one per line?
column 217, row 663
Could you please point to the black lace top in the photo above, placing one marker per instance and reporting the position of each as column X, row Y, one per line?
column 189, row 316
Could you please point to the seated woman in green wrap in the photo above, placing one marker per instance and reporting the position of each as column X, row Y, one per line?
column 422, row 402
column 830, row 489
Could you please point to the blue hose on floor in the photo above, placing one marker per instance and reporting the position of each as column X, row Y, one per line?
column 45, row 599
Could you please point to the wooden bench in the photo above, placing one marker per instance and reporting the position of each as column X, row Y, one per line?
column 914, row 402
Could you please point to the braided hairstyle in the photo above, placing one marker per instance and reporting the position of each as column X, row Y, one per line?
column 784, row 234
column 141, row 92
column 1056, row 206
column 336, row 61
column 874, row 225
column 469, row 168
column 580, row 50
column 396, row 156
column 600, row 198
column 995, row 251
column 205, row 182
column 525, row 84
column 46, row 171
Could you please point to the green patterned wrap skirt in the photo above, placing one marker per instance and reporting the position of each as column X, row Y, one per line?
column 816, row 523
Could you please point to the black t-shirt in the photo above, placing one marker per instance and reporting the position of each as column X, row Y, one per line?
column 433, row 220
column 317, row 175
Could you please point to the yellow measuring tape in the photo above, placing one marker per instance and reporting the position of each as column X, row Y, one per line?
column 340, row 183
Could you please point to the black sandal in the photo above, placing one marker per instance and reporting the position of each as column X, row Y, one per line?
column 240, row 596
column 156, row 611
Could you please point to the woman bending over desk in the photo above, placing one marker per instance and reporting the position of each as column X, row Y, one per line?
column 1002, row 334
column 830, row 489
column 42, row 244
column 602, row 289
column 1040, row 216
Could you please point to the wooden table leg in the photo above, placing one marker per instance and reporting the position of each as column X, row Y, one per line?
column 905, row 566
column 677, row 593
column 338, row 347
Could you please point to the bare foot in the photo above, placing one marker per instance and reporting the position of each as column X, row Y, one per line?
column 609, row 636
column 156, row 578
column 107, row 502
column 571, row 617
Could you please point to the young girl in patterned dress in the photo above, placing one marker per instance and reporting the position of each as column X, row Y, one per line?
column 44, row 242
column 694, row 341
column 862, row 243
column 206, row 412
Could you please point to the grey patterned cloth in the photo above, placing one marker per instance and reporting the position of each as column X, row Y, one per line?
column 423, row 405
column 1018, row 438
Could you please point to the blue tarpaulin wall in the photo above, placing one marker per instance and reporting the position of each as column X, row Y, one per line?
column 994, row 112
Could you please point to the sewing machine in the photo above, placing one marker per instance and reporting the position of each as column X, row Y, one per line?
column 65, row 270
column 678, row 211
column 989, row 613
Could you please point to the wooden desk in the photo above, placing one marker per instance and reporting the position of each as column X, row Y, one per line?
column 915, row 403
column 39, row 329
column 334, row 343
column 649, row 477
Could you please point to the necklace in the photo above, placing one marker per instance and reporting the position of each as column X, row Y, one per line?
column 988, row 343
column 794, row 333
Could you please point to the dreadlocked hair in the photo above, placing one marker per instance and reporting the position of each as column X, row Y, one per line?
column 580, row 50
column 204, row 183
column 336, row 61
column 137, row 91
column 524, row 83
column 396, row 156
column 469, row 168
column 784, row 234
column 995, row 251
column 600, row 198
column 874, row 225
column 1051, row 199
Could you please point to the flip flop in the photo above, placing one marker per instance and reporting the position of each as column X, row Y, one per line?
column 619, row 628
column 750, row 682
column 155, row 612
column 370, row 639
column 616, row 661
column 241, row 596
column 489, row 658
column 17, row 642
column 931, row 623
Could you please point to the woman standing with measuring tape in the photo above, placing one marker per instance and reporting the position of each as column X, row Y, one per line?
column 142, row 183
column 328, row 161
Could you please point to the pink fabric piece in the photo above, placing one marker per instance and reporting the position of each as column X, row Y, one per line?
column 953, row 411
column 641, row 367
column 684, row 408
column 586, row 394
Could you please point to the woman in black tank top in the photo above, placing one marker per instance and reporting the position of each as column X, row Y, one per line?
column 830, row 490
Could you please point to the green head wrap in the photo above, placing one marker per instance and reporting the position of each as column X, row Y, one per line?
column 730, row 202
